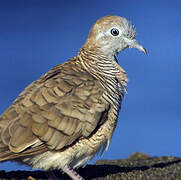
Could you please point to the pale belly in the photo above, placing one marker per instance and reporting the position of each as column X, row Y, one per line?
column 76, row 155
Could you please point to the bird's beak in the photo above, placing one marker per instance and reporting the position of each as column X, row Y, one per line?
column 135, row 44
column 132, row 43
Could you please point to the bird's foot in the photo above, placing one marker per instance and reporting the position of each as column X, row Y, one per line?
column 30, row 178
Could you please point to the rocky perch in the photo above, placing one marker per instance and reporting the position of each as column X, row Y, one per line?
column 138, row 166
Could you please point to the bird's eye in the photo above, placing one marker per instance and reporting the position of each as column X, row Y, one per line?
column 115, row 32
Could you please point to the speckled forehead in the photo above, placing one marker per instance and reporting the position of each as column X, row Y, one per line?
column 104, row 23
column 107, row 22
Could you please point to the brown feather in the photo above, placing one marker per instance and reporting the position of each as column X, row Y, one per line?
column 54, row 110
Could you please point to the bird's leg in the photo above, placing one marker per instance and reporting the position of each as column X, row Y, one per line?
column 71, row 173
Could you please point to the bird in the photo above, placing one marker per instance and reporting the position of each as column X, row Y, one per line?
column 68, row 115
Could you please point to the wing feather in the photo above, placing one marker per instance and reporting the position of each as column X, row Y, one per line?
column 52, row 113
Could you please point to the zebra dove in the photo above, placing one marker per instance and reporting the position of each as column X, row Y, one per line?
column 63, row 119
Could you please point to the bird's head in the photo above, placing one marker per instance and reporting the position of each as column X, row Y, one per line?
column 113, row 34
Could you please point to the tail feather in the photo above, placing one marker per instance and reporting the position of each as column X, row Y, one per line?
column 5, row 135
column 9, row 155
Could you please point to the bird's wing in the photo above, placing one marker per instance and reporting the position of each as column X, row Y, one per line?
column 53, row 112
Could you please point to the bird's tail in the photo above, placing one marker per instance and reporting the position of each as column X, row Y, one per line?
column 6, row 127
column 4, row 149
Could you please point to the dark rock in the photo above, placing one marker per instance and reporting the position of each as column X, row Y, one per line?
column 138, row 166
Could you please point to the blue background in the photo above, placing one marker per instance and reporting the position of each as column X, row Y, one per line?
column 36, row 35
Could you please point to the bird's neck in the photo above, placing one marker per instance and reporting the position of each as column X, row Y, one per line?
column 97, row 61
column 106, row 70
